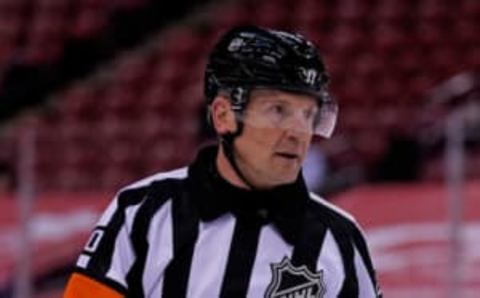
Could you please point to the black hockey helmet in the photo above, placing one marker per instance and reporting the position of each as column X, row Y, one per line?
column 250, row 57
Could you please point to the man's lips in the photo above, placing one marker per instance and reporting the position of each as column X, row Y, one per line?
column 287, row 155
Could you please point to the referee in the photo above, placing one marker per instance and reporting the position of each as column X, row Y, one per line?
column 239, row 221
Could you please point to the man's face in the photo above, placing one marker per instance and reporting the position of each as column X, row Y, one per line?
column 278, row 128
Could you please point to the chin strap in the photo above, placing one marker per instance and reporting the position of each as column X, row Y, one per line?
column 226, row 141
column 239, row 98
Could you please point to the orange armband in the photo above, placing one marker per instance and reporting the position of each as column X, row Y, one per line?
column 81, row 286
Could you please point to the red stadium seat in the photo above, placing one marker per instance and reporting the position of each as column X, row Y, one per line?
column 271, row 14
column 122, row 102
column 114, row 177
column 350, row 10
column 59, row 7
column 344, row 37
column 88, row 22
column 94, row 4
column 224, row 16
column 469, row 9
column 466, row 31
column 157, row 98
column 133, row 73
column 388, row 37
column 392, row 10
column 179, row 44
column 435, row 9
column 10, row 28
column 430, row 33
column 129, row 4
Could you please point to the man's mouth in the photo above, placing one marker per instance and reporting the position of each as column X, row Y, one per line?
column 287, row 155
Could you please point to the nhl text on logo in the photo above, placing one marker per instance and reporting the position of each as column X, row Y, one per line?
column 289, row 281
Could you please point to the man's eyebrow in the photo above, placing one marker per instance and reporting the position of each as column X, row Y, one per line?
column 275, row 99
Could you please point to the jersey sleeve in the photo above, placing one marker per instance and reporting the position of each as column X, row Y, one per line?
column 102, row 267
column 80, row 286
column 368, row 286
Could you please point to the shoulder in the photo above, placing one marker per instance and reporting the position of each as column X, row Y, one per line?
column 142, row 186
column 178, row 174
column 330, row 208
column 134, row 195
column 336, row 216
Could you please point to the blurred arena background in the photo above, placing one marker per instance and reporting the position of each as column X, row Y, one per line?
column 95, row 94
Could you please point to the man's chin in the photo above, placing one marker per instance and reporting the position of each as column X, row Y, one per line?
column 287, row 179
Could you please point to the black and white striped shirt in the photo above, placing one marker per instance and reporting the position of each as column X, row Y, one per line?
column 189, row 233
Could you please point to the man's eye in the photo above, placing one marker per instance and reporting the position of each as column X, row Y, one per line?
column 310, row 114
column 278, row 109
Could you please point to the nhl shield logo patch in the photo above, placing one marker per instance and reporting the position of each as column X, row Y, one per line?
column 289, row 281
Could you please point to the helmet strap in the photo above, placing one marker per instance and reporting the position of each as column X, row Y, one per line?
column 226, row 141
column 239, row 98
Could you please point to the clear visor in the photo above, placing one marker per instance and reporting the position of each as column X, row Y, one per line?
column 309, row 119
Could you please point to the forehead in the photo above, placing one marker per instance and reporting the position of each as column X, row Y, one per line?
column 264, row 96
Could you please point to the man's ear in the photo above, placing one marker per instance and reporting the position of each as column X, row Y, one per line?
column 222, row 116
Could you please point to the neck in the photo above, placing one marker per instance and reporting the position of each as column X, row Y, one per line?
column 227, row 171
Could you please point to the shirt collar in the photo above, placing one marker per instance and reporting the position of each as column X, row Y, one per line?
column 214, row 196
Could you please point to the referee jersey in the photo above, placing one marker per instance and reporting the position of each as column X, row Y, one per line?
column 189, row 233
